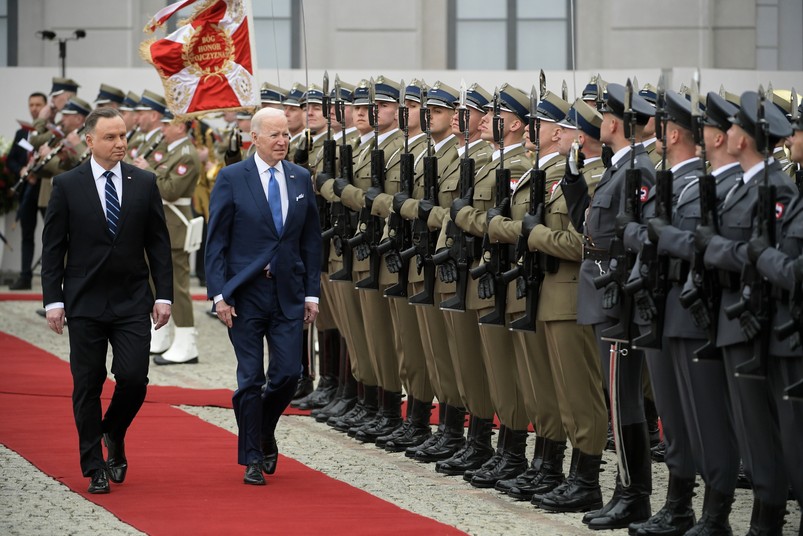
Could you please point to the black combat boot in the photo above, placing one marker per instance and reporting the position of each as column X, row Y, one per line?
column 304, row 385
column 767, row 519
column 563, row 486
column 450, row 441
column 549, row 476
column 495, row 457
column 582, row 492
column 329, row 371
column 417, row 429
column 346, row 396
column 363, row 411
column 524, row 479
column 633, row 502
column 373, row 397
column 716, row 509
column 410, row 452
column 476, row 451
column 676, row 516
column 512, row 463
column 387, row 423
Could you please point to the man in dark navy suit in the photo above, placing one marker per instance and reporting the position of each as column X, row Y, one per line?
column 105, row 236
column 263, row 256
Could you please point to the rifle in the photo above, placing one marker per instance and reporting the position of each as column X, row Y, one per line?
column 329, row 163
column 654, row 270
column 400, row 236
column 498, row 254
column 153, row 146
column 131, row 133
column 56, row 144
column 342, row 227
column 370, row 227
column 530, row 272
column 756, row 301
column 622, row 261
column 424, row 240
column 462, row 248
column 705, row 293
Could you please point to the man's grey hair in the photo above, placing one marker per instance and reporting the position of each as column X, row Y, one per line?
column 91, row 120
column 263, row 114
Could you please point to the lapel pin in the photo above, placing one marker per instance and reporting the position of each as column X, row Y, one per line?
column 300, row 196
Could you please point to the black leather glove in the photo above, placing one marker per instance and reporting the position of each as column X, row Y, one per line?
column 447, row 272
column 703, row 236
column 393, row 261
column 362, row 251
column 521, row 288
column 486, row 287
column 756, row 247
column 529, row 222
column 424, row 208
column 398, row 200
column 622, row 220
column 749, row 324
column 337, row 242
column 645, row 305
column 461, row 203
column 699, row 314
column 610, row 295
column 794, row 341
column 320, row 180
column 655, row 227
column 340, row 185
column 371, row 195
column 497, row 210
column 301, row 156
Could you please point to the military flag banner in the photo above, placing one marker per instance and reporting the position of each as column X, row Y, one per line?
column 208, row 63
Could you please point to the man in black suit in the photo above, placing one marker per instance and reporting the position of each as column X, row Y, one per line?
column 27, row 212
column 105, row 218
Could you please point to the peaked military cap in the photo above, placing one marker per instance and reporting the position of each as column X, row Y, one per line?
column 346, row 92
column 512, row 100
column 442, row 95
column 386, row 90
column 797, row 124
column 732, row 98
column 477, row 97
column 109, row 94
column 361, row 93
column 678, row 109
column 782, row 98
column 615, row 104
column 270, row 94
column 590, row 91
column 649, row 93
column 718, row 111
column 152, row 101
column 313, row 95
column 293, row 97
column 747, row 117
column 60, row 85
column 130, row 102
column 552, row 108
column 584, row 117
column 76, row 106
column 413, row 90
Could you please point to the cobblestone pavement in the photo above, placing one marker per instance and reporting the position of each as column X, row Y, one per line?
column 34, row 503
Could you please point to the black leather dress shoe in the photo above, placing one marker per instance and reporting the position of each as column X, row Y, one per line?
column 159, row 360
column 253, row 474
column 117, row 463
column 99, row 482
column 20, row 284
column 303, row 388
column 270, row 453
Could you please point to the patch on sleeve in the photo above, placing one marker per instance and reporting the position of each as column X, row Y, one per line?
column 779, row 210
column 644, row 193
column 181, row 169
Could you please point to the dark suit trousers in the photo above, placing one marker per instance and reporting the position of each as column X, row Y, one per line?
column 257, row 404
column 631, row 400
column 89, row 339
column 28, row 213
column 782, row 372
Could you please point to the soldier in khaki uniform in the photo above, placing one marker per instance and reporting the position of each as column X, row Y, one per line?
column 497, row 345
column 177, row 176
column 150, row 144
column 534, row 371
column 109, row 96
column 296, row 120
column 374, row 308
column 129, row 114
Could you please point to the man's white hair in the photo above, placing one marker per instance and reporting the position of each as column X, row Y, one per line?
column 263, row 114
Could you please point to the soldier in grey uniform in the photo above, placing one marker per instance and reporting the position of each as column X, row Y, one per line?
column 755, row 419
column 701, row 385
column 601, row 307
column 678, row 150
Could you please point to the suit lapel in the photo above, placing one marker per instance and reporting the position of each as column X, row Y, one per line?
column 128, row 193
column 293, row 191
column 91, row 192
column 261, row 200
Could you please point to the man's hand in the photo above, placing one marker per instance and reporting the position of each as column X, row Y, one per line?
column 460, row 203
column 310, row 312
column 399, row 198
column 528, row 223
column 645, row 305
column 393, row 262
column 424, row 208
column 320, row 180
column 655, row 227
column 55, row 320
column 756, row 247
column 140, row 162
column 370, row 196
column 610, row 296
column 497, row 210
column 340, row 185
column 575, row 160
column 225, row 313
column 622, row 221
column 486, row 288
column 699, row 314
column 703, row 236
column 749, row 324
column 160, row 314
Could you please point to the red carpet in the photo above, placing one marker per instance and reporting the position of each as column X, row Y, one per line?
column 183, row 477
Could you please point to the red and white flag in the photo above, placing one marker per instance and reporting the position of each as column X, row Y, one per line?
column 208, row 63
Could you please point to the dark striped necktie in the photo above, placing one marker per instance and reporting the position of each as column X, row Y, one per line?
column 112, row 205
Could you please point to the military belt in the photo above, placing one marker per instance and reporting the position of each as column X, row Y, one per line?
column 678, row 270
column 729, row 280
column 595, row 254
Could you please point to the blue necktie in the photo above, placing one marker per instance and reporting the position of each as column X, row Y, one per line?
column 275, row 201
column 112, row 204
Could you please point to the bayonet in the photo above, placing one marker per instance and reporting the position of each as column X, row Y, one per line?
column 564, row 91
